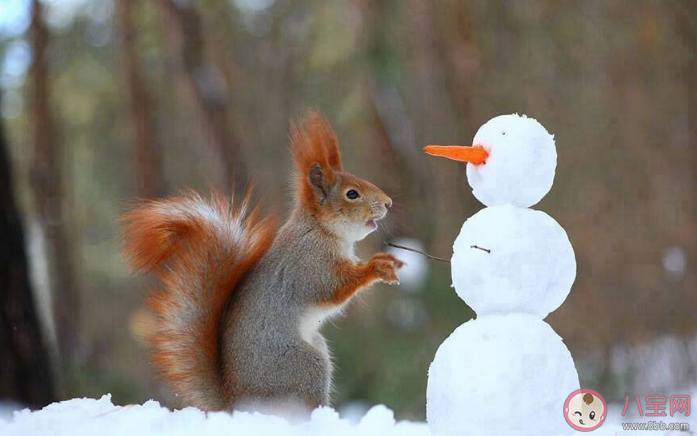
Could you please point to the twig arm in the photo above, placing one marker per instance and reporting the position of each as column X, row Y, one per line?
column 401, row 247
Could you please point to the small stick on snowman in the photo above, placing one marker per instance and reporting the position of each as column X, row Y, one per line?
column 507, row 372
column 477, row 247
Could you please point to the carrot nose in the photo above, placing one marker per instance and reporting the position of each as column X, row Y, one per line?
column 475, row 155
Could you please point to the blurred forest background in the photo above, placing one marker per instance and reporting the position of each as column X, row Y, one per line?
column 105, row 101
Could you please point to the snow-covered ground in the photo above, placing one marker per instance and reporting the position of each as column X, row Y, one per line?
column 89, row 417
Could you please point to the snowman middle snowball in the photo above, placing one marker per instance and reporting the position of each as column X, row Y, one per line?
column 510, row 259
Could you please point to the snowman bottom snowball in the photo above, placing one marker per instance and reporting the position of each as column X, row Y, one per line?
column 501, row 375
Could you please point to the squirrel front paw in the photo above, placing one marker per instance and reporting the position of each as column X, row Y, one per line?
column 385, row 267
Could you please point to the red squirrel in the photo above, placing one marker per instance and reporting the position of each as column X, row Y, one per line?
column 241, row 301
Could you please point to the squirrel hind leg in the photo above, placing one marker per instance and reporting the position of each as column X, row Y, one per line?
column 296, row 384
column 308, row 371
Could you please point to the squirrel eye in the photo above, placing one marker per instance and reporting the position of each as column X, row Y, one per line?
column 352, row 194
column 592, row 415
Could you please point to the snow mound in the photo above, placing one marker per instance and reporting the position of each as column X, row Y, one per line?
column 90, row 417
column 521, row 164
column 510, row 259
column 501, row 375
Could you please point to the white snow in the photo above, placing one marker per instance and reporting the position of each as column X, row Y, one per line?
column 501, row 375
column 7, row 408
column 90, row 417
column 521, row 163
column 675, row 261
column 530, row 265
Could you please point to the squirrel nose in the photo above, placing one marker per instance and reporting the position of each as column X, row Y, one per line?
column 388, row 203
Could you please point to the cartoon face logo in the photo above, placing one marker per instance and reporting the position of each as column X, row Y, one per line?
column 585, row 410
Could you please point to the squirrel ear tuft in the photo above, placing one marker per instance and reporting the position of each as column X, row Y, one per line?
column 331, row 143
column 313, row 140
column 325, row 137
column 315, row 150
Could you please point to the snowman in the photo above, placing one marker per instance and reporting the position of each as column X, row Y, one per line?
column 506, row 372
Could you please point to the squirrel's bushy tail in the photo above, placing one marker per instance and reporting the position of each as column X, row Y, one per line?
column 200, row 249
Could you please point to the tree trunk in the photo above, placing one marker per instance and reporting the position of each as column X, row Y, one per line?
column 201, row 86
column 47, row 184
column 399, row 160
column 25, row 374
column 147, row 149
column 686, row 18
column 440, row 117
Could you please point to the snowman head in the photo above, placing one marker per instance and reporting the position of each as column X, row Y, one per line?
column 512, row 161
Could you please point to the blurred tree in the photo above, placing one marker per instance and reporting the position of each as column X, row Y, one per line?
column 433, row 103
column 26, row 374
column 686, row 17
column 202, row 86
column 398, row 159
column 47, row 180
column 147, row 149
column 687, row 26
